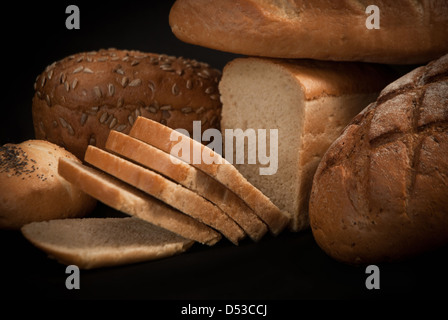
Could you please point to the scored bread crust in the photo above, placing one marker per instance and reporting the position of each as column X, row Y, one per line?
column 380, row 192
column 165, row 190
column 159, row 136
column 91, row 243
column 80, row 98
column 189, row 177
column 411, row 32
column 129, row 200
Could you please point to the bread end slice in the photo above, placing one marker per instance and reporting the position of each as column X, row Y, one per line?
column 92, row 243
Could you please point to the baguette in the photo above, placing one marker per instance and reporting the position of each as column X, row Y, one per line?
column 410, row 32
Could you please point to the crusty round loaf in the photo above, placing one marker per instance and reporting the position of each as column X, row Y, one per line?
column 31, row 188
column 380, row 192
column 79, row 99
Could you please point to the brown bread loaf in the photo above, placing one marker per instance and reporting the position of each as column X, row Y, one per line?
column 409, row 31
column 380, row 192
column 80, row 98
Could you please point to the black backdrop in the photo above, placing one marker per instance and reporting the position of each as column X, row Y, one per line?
column 288, row 267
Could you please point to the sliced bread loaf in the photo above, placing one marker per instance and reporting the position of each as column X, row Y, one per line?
column 129, row 200
column 161, row 136
column 309, row 103
column 190, row 177
column 165, row 190
column 103, row 242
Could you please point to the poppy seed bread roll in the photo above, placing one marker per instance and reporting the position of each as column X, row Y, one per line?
column 80, row 98
column 380, row 192
column 31, row 188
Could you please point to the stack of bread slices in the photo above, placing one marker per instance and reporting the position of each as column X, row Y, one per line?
column 183, row 202
column 200, row 202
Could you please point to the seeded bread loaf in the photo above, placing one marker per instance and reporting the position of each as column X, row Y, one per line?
column 161, row 136
column 190, row 177
column 308, row 103
column 380, row 192
column 129, row 200
column 31, row 188
column 103, row 242
column 409, row 31
column 80, row 98
column 165, row 190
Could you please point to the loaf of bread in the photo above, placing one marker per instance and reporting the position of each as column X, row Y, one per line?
column 103, row 242
column 31, row 188
column 123, row 197
column 190, row 177
column 79, row 99
column 408, row 31
column 171, row 193
column 308, row 103
column 165, row 139
column 380, row 192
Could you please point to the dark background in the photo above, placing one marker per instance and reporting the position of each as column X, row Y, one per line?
column 288, row 267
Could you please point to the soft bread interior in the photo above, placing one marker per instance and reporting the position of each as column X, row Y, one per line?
column 261, row 94
column 258, row 95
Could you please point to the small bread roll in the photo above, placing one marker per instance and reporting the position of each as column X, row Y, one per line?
column 31, row 188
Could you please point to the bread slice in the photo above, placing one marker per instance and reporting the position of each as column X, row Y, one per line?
column 159, row 136
column 309, row 103
column 103, row 242
column 190, row 177
column 165, row 190
column 129, row 200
